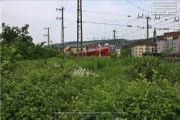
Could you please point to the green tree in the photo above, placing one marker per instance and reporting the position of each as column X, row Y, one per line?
column 15, row 43
column 126, row 50
column 10, row 35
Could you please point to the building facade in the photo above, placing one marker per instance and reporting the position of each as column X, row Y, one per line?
column 169, row 40
column 141, row 47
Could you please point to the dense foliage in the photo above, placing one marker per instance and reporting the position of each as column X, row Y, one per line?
column 36, row 86
column 126, row 51
column 38, row 89
column 17, row 45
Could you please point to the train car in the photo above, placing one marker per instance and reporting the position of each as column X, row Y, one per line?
column 98, row 52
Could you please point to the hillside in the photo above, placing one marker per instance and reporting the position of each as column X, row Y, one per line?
column 73, row 43
column 110, row 41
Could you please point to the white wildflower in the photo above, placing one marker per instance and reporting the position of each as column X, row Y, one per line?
column 84, row 72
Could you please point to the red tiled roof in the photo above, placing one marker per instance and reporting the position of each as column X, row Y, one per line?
column 174, row 34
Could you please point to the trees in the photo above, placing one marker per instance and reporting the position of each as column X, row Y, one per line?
column 126, row 51
column 10, row 35
column 15, row 42
column 16, row 45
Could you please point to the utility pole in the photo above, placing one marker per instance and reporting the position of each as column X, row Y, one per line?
column 114, row 31
column 147, row 33
column 48, row 41
column 79, row 28
column 147, row 27
column 51, row 42
column 62, row 27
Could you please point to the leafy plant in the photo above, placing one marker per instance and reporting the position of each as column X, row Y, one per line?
column 148, row 67
column 42, row 88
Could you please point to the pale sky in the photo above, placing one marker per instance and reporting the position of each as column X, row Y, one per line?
column 41, row 14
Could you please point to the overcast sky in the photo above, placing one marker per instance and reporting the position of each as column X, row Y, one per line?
column 42, row 14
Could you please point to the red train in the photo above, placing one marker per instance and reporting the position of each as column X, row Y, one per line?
column 101, row 51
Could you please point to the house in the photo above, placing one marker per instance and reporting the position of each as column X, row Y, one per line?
column 92, row 46
column 169, row 40
column 138, row 48
column 72, row 49
column 67, row 50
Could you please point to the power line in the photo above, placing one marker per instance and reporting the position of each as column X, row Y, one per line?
column 108, row 13
column 113, row 24
column 104, row 23
column 54, row 13
column 138, row 6
column 165, row 20
column 65, row 4
column 54, row 25
column 75, row 25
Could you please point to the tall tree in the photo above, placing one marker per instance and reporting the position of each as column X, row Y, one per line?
column 15, row 42
column 11, row 34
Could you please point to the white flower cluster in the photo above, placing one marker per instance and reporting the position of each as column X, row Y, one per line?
column 83, row 72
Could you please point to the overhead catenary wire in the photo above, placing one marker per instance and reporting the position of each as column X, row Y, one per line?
column 117, row 14
column 52, row 19
column 109, row 13
column 138, row 6
column 135, row 27
column 54, row 22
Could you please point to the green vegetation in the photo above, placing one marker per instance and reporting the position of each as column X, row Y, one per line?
column 17, row 45
column 44, row 85
column 137, row 86
column 126, row 51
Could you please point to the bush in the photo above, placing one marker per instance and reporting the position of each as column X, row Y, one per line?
column 148, row 66
column 38, row 89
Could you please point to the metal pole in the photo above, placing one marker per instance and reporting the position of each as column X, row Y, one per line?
column 62, row 30
column 48, row 38
column 62, row 27
column 147, row 34
column 114, row 31
column 79, row 28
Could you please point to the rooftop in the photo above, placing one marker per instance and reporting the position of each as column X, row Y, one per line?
column 142, row 42
column 174, row 34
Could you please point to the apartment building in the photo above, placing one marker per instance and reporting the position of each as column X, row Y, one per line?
column 140, row 47
column 169, row 40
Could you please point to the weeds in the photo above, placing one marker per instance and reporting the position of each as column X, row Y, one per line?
column 37, row 89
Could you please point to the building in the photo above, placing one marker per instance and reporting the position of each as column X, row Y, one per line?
column 92, row 46
column 74, row 48
column 138, row 48
column 67, row 50
column 169, row 40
